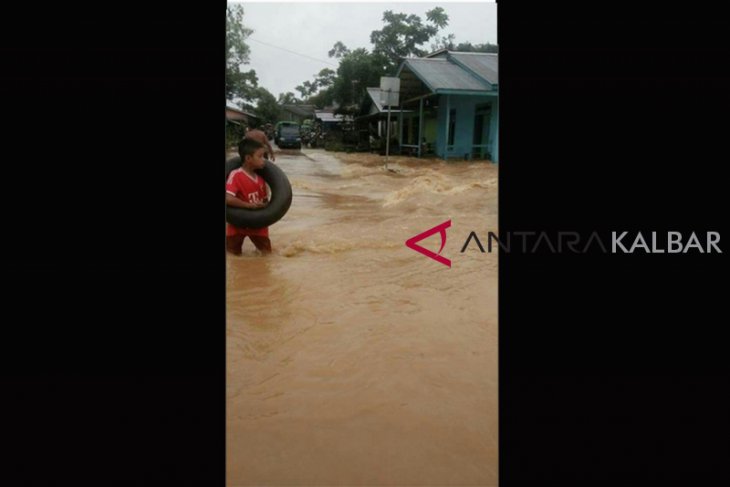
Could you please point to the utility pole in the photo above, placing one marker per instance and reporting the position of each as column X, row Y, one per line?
column 390, row 87
column 387, row 136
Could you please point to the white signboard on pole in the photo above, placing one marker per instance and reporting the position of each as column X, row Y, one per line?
column 389, row 91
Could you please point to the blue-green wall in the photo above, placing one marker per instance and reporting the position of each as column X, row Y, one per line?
column 465, row 107
column 494, row 130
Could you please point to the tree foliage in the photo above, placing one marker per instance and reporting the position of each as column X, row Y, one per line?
column 239, row 84
column 358, row 70
column 323, row 99
column 306, row 89
column 403, row 34
column 325, row 78
column 437, row 16
column 267, row 108
column 401, row 37
column 444, row 42
column 237, row 51
column 469, row 47
column 288, row 98
column 338, row 50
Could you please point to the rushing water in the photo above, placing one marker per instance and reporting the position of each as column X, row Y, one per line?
column 352, row 359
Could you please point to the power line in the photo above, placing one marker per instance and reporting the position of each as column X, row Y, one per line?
column 292, row 52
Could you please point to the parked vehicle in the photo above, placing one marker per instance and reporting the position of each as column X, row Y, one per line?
column 287, row 135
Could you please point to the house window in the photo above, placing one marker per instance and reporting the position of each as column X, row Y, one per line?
column 452, row 127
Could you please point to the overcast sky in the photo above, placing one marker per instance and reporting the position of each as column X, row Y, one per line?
column 310, row 30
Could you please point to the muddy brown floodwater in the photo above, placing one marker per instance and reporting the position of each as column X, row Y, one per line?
column 352, row 359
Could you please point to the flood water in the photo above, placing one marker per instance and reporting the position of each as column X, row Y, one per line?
column 352, row 359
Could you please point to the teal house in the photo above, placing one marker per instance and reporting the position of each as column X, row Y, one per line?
column 449, row 105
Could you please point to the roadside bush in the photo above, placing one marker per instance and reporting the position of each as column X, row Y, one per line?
column 234, row 134
column 334, row 146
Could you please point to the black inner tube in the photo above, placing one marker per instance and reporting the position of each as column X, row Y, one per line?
column 281, row 196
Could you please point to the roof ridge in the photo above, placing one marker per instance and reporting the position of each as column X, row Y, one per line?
column 475, row 53
column 440, row 59
column 470, row 69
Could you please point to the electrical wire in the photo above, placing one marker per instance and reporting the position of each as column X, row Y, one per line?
column 292, row 52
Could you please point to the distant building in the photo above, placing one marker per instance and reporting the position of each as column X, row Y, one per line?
column 329, row 120
column 237, row 116
column 374, row 116
column 297, row 113
column 449, row 104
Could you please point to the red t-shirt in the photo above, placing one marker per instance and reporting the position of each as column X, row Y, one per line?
column 247, row 188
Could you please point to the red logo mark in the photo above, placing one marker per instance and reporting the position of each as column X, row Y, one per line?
column 411, row 242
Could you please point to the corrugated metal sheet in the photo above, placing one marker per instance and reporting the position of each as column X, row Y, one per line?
column 484, row 65
column 442, row 74
column 233, row 113
column 300, row 110
column 374, row 94
column 330, row 117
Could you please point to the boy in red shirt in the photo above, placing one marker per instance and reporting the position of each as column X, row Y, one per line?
column 246, row 189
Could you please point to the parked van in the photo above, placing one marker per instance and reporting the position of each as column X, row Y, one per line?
column 287, row 135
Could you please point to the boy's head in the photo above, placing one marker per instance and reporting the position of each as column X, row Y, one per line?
column 252, row 153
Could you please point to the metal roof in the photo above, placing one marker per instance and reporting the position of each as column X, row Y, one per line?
column 452, row 72
column 234, row 113
column 301, row 110
column 484, row 65
column 330, row 117
column 374, row 94
column 442, row 74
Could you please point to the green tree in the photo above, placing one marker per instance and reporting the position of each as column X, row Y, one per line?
column 338, row 50
column 403, row 34
column 358, row 70
column 437, row 16
column 288, row 98
column 267, row 107
column 306, row 89
column 325, row 78
column 239, row 84
column 469, row 47
column 324, row 98
column 323, row 81
column 445, row 42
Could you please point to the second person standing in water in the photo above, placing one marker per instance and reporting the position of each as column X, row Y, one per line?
column 261, row 138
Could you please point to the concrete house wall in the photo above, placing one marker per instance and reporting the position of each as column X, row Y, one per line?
column 464, row 108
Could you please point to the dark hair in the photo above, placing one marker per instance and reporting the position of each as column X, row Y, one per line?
column 247, row 147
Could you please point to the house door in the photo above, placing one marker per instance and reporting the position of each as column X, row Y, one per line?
column 480, row 146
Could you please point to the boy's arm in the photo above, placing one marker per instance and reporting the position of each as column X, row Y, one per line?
column 239, row 203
